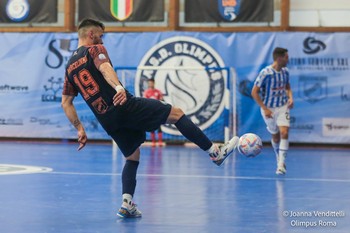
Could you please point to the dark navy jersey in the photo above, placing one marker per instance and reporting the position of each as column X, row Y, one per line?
column 82, row 76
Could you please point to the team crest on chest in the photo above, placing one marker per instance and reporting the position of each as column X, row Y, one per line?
column 189, row 76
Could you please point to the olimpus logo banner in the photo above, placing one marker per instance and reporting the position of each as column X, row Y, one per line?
column 181, row 76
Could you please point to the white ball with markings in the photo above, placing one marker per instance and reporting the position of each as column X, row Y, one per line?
column 249, row 145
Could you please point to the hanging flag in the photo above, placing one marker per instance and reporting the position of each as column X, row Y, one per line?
column 201, row 11
column 122, row 10
column 229, row 9
column 17, row 10
column 28, row 11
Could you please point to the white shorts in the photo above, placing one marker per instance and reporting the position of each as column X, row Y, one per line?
column 280, row 117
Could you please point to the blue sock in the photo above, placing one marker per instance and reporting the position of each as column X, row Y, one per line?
column 129, row 177
column 193, row 133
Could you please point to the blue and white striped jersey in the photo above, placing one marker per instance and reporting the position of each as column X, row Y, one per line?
column 273, row 86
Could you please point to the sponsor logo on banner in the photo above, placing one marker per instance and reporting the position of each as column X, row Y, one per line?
column 311, row 62
column 312, row 89
column 312, row 46
column 60, row 50
column 53, row 90
column 336, row 127
column 345, row 93
column 13, row 89
column 43, row 121
column 229, row 9
column 10, row 121
column 17, row 10
column 300, row 127
column 121, row 9
column 199, row 92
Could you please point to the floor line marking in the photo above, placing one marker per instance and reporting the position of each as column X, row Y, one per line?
column 206, row 176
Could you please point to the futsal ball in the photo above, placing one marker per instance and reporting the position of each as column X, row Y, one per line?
column 249, row 144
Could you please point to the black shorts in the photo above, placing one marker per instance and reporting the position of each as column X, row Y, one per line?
column 136, row 117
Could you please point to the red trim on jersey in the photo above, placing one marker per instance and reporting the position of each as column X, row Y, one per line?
column 99, row 55
column 68, row 88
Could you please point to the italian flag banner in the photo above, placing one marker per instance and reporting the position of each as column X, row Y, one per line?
column 121, row 9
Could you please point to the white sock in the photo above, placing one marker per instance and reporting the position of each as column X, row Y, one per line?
column 282, row 154
column 127, row 200
column 275, row 147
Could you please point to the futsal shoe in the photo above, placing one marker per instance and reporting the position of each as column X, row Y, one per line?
column 224, row 151
column 281, row 169
column 132, row 212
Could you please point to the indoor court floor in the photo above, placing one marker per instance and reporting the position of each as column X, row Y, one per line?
column 48, row 187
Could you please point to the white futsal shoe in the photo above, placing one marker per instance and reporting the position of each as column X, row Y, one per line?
column 281, row 169
column 222, row 152
column 281, row 165
column 129, row 211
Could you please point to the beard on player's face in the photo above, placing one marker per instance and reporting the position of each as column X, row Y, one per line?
column 97, row 35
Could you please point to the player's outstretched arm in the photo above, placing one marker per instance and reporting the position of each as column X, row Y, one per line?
column 71, row 113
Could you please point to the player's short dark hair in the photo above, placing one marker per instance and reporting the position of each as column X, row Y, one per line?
column 91, row 22
column 151, row 79
column 279, row 52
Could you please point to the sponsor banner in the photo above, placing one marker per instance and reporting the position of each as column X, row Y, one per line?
column 32, row 71
column 25, row 11
column 336, row 127
column 199, row 11
column 30, row 94
column 122, row 10
column 318, row 75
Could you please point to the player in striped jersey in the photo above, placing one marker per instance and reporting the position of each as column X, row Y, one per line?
column 273, row 94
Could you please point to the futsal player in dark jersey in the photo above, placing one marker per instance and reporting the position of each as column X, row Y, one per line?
column 124, row 117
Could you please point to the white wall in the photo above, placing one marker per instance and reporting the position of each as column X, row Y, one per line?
column 319, row 13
